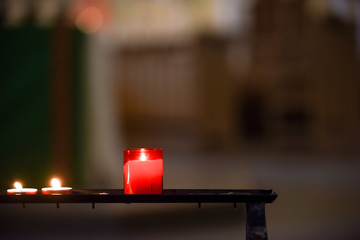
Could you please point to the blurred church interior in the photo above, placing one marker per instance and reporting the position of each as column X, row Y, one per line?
column 238, row 93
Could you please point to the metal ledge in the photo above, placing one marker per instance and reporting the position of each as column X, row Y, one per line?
column 168, row 196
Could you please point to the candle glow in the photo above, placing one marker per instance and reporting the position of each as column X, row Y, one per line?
column 143, row 157
column 55, row 183
column 19, row 190
column 143, row 171
column 18, row 186
column 56, row 188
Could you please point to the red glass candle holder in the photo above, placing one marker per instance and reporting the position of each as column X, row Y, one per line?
column 143, row 171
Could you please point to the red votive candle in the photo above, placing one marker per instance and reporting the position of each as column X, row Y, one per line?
column 143, row 171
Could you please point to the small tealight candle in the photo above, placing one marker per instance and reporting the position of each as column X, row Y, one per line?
column 56, row 188
column 19, row 190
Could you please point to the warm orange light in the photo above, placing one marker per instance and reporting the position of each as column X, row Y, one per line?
column 18, row 186
column 143, row 156
column 56, row 188
column 55, row 183
column 90, row 20
column 19, row 190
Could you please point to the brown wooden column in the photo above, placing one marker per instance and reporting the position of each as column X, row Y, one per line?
column 61, row 103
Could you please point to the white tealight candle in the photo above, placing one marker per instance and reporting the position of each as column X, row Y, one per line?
column 56, row 188
column 19, row 190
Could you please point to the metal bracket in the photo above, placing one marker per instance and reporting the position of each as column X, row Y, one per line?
column 255, row 221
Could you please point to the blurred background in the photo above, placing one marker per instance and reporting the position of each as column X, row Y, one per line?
column 238, row 93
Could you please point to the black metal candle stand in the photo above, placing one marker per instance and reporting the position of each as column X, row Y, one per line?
column 254, row 201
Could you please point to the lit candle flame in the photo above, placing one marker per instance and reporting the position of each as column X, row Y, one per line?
column 143, row 157
column 55, row 183
column 18, row 186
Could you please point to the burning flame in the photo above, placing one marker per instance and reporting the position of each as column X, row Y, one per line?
column 55, row 183
column 18, row 186
column 142, row 155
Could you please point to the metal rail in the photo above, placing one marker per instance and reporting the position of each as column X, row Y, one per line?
column 254, row 200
